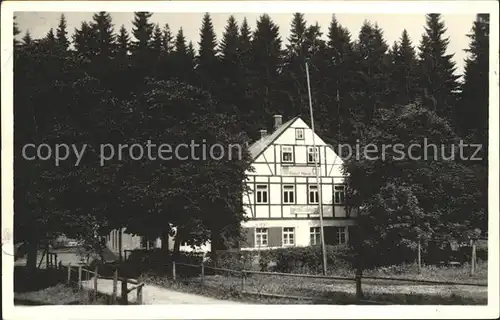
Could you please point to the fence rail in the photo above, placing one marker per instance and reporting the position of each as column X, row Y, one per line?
column 84, row 274
column 357, row 279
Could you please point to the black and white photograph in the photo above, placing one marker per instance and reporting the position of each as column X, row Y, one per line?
column 245, row 156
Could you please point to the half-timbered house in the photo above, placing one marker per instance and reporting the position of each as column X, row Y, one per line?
column 283, row 202
column 283, row 205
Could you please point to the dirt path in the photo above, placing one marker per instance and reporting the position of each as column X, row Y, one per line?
column 153, row 294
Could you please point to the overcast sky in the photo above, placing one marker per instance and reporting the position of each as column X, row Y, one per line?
column 458, row 25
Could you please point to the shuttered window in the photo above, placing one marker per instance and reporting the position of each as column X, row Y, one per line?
column 288, row 236
column 261, row 237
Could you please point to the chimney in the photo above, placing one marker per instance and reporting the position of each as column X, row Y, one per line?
column 263, row 133
column 278, row 121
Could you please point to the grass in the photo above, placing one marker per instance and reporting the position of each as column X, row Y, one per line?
column 45, row 287
column 59, row 294
column 314, row 291
column 434, row 273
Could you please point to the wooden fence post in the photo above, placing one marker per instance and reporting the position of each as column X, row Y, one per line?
column 124, row 291
column 202, row 274
column 68, row 281
column 243, row 276
column 96, row 277
column 79, row 277
column 55, row 260
column 419, row 256
column 139, row 294
column 359, row 292
column 173, row 270
column 473, row 258
column 115, row 286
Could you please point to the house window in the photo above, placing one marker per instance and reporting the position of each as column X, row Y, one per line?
column 287, row 154
column 261, row 237
column 288, row 236
column 339, row 195
column 312, row 155
column 288, row 194
column 313, row 194
column 315, row 235
column 341, row 235
column 299, row 134
column 262, row 193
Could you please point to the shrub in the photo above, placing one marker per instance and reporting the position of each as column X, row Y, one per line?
column 309, row 259
column 265, row 259
column 285, row 260
column 235, row 260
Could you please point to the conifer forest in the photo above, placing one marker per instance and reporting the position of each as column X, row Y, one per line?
column 106, row 84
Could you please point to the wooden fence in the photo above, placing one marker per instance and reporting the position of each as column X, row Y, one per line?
column 357, row 280
column 77, row 274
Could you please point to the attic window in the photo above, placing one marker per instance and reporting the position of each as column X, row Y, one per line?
column 299, row 134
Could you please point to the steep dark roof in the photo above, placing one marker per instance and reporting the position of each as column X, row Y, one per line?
column 260, row 145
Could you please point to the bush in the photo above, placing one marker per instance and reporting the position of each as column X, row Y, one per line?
column 309, row 259
column 235, row 260
column 286, row 260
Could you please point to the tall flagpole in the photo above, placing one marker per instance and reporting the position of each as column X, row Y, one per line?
column 317, row 169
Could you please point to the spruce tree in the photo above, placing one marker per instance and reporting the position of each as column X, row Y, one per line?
column 230, row 69
column 61, row 34
column 84, row 40
column 49, row 42
column 229, row 42
column 436, row 71
column 373, row 63
column 229, row 52
column 297, row 31
column 27, row 40
column 404, row 78
column 340, row 82
column 305, row 44
column 50, row 37
column 266, row 62
column 293, row 76
column 180, row 43
column 245, row 44
column 207, row 62
column 123, row 42
column 16, row 31
column 103, row 30
column 142, row 31
column 16, row 27
column 123, row 63
column 245, row 107
column 168, row 45
column 472, row 115
column 157, row 41
column 191, row 53
column 182, row 62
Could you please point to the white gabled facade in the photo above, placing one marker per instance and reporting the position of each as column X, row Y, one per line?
column 282, row 205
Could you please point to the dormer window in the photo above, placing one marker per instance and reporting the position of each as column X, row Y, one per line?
column 299, row 134
column 287, row 154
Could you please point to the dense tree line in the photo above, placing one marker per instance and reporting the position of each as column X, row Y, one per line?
column 112, row 85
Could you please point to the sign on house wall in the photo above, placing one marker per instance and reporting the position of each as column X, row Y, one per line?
column 310, row 210
column 304, row 209
column 298, row 171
